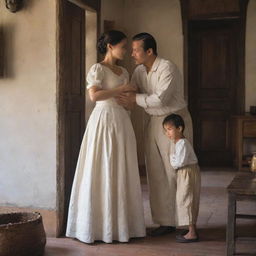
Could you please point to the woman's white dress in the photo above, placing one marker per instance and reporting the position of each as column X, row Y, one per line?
column 106, row 202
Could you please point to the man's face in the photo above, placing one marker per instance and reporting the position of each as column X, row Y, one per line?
column 138, row 53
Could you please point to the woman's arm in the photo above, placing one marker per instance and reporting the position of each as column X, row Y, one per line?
column 98, row 94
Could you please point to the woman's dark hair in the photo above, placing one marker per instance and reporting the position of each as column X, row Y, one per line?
column 175, row 120
column 112, row 37
column 148, row 41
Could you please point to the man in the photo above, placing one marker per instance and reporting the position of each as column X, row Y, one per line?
column 160, row 93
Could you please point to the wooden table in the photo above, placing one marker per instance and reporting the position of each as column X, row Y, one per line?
column 242, row 187
column 243, row 132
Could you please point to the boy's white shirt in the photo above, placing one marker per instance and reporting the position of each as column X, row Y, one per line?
column 183, row 155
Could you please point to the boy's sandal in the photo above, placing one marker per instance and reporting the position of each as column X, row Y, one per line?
column 182, row 239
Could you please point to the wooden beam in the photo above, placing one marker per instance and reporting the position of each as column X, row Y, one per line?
column 90, row 5
column 82, row 4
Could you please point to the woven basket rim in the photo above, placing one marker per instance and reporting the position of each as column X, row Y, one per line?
column 37, row 218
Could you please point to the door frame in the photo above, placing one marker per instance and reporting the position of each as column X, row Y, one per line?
column 187, row 16
column 90, row 5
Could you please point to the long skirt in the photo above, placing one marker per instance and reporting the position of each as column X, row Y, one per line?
column 106, row 201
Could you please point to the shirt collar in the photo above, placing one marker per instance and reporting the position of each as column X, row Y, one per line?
column 154, row 66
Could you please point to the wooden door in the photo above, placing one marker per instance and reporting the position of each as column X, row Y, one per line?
column 213, row 77
column 74, row 92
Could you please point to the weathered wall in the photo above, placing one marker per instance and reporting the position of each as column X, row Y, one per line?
column 28, row 106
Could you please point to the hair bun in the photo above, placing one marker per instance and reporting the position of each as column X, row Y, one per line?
column 101, row 44
column 112, row 37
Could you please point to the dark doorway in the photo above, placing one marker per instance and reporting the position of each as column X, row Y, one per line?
column 71, row 98
column 213, row 87
column 214, row 73
column 74, row 92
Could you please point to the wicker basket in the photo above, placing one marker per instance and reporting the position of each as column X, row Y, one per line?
column 22, row 234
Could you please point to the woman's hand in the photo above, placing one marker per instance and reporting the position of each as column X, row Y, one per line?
column 97, row 94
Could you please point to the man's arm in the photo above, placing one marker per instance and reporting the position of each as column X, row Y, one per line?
column 162, row 94
column 124, row 100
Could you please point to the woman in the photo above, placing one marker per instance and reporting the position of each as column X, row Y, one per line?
column 106, row 201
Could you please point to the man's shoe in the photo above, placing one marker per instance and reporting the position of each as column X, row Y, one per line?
column 182, row 239
column 162, row 230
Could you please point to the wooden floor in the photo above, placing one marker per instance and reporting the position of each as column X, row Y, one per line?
column 211, row 223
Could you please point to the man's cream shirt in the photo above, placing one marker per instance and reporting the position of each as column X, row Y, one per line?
column 161, row 89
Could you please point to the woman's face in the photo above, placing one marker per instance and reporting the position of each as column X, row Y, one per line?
column 118, row 51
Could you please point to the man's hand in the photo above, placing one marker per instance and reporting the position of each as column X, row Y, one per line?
column 130, row 97
column 127, row 100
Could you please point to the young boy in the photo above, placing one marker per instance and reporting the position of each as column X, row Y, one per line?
column 184, row 161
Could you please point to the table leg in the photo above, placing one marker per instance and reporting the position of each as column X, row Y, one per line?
column 231, row 224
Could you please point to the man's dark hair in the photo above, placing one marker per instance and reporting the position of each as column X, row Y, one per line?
column 148, row 41
column 175, row 120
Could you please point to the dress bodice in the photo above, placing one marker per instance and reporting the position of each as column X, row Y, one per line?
column 105, row 78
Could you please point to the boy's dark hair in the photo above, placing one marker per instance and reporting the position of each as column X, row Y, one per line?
column 112, row 37
column 175, row 120
column 148, row 41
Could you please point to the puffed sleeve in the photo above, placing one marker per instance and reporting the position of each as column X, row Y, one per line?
column 95, row 76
